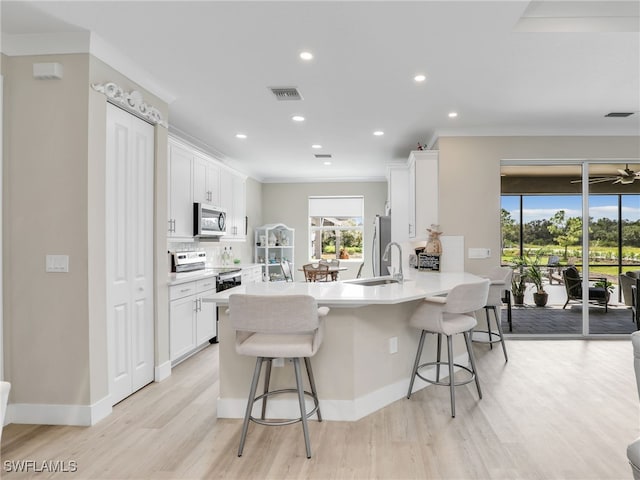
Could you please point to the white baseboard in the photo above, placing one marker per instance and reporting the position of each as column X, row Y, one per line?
column 47, row 414
column 162, row 371
column 336, row 410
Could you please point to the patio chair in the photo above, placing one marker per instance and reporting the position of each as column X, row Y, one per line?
column 626, row 280
column 573, row 285
column 553, row 269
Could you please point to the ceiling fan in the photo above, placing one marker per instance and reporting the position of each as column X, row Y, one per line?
column 624, row 177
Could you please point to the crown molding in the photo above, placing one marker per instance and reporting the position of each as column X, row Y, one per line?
column 83, row 42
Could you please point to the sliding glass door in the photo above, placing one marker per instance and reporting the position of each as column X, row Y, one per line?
column 581, row 230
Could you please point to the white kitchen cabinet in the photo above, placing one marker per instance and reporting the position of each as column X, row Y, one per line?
column 192, row 317
column 233, row 200
column 206, row 181
column 180, row 192
column 251, row 274
column 413, row 196
column 195, row 177
column 274, row 243
column 182, row 318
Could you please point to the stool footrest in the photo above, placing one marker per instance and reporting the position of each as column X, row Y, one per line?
column 489, row 337
column 278, row 423
column 435, row 382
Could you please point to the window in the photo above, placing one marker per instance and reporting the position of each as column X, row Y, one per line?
column 335, row 227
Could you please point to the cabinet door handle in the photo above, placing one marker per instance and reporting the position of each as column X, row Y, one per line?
column 184, row 290
column 199, row 304
column 170, row 223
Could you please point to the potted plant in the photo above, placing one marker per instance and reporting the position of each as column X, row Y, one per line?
column 540, row 296
column 518, row 287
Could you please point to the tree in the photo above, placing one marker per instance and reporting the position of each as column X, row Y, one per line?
column 510, row 230
column 566, row 231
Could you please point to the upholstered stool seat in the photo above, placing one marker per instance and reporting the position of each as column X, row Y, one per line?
column 448, row 316
column 278, row 326
column 500, row 278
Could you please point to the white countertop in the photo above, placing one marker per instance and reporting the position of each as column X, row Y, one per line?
column 179, row 278
column 347, row 294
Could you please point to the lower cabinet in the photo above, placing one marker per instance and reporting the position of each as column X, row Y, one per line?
column 192, row 317
column 251, row 274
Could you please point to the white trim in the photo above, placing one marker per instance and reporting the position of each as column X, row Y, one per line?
column 1, row 232
column 162, row 371
column 83, row 42
column 45, row 43
column 48, row 414
column 334, row 410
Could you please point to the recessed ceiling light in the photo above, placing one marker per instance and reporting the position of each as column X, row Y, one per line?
column 327, row 163
column 420, row 78
column 306, row 55
column 316, row 146
column 378, row 133
column 453, row 115
column 241, row 135
column 297, row 118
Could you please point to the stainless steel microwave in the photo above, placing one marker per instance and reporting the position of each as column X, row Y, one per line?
column 208, row 221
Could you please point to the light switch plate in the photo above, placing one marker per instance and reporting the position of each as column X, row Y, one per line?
column 57, row 263
column 479, row 253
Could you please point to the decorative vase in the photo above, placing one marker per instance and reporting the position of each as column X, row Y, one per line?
column 540, row 299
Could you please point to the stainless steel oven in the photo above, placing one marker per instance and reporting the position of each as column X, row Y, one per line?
column 228, row 278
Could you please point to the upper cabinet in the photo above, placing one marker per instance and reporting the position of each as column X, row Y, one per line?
column 413, row 196
column 206, row 181
column 196, row 178
column 180, row 224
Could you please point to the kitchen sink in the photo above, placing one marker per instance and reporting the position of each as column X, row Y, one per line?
column 375, row 282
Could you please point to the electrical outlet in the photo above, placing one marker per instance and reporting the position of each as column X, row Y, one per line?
column 393, row 345
column 57, row 263
column 278, row 362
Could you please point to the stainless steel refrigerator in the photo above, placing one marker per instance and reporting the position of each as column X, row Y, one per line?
column 381, row 238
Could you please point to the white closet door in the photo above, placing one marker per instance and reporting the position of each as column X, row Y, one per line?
column 129, row 245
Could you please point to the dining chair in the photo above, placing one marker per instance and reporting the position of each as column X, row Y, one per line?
column 285, row 265
column 317, row 272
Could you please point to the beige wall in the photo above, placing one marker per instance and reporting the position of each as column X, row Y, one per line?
column 53, row 203
column 288, row 203
column 470, row 180
column 45, row 212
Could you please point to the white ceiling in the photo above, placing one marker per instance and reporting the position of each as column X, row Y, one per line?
column 506, row 67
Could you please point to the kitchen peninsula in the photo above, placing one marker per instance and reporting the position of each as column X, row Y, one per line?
column 367, row 353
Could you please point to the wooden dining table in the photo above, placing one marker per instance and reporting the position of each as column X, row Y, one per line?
column 333, row 271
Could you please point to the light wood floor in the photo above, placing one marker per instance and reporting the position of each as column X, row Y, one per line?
column 558, row 409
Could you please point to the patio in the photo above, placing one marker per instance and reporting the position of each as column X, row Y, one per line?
column 552, row 319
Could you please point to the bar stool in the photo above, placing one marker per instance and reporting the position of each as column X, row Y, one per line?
column 500, row 278
column 278, row 326
column 448, row 316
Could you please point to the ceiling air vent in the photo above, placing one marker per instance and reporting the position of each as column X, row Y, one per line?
column 286, row 93
column 322, row 155
column 619, row 114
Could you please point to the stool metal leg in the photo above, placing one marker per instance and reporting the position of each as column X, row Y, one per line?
column 472, row 360
column 417, row 362
column 452, row 386
column 303, row 410
column 312, row 383
column 501, row 333
column 438, row 357
column 252, row 395
column 486, row 314
column 267, row 379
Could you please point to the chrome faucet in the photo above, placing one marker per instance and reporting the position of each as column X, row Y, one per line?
column 396, row 276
